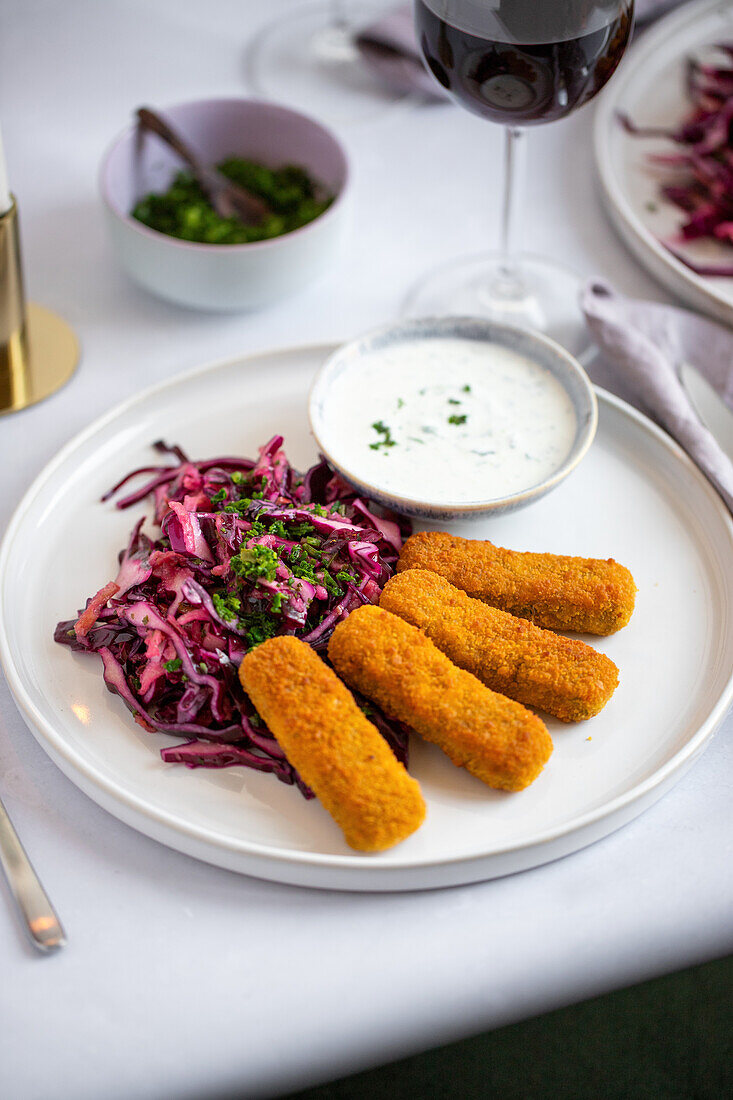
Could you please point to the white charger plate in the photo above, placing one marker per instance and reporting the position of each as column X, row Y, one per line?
column 635, row 497
column 650, row 88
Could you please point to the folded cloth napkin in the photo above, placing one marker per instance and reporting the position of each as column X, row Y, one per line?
column 390, row 48
column 643, row 345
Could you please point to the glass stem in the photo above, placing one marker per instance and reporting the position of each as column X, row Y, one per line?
column 514, row 158
column 339, row 20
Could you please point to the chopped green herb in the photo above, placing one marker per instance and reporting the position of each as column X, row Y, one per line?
column 173, row 665
column 276, row 602
column 466, row 389
column 221, row 495
column 279, row 530
column 457, row 419
column 258, row 626
column 301, row 567
column 237, row 477
column 184, row 210
column 299, row 530
column 255, row 562
column 241, row 506
column 381, row 428
column 453, row 401
column 329, row 584
column 226, row 606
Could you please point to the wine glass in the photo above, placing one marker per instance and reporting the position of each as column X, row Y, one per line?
column 309, row 58
column 520, row 63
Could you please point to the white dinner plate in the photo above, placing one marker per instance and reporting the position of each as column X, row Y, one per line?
column 650, row 88
column 635, row 497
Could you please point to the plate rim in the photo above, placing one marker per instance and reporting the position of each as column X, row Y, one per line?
column 55, row 747
column 658, row 260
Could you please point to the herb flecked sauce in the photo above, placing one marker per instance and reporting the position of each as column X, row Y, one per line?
column 450, row 421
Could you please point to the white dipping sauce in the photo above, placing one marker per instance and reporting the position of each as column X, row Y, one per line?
column 449, row 420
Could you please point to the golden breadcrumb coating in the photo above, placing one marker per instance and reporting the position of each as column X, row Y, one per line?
column 334, row 747
column 562, row 676
column 393, row 663
column 589, row 595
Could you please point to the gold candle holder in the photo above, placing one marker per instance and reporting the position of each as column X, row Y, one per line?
column 38, row 350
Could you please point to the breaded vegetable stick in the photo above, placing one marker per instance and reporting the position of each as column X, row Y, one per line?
column 394, row 664
column 589, row 595
column 336, row 749
column 562, row 676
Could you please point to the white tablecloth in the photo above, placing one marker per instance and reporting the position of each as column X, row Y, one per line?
column 181, row 979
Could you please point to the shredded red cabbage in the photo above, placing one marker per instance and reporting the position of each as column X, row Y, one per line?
column 245, row 551
column 701, row 171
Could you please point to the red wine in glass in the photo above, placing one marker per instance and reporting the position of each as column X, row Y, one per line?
column 519, row 63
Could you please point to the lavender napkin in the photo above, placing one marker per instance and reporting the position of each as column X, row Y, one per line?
column 390, row 48
column 643, row 345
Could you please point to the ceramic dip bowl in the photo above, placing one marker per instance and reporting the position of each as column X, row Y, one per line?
column 453, row 417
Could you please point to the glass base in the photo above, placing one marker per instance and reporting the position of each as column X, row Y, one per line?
column 542, row 295
column 308, row 59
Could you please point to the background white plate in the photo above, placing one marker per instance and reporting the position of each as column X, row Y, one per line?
column 635, row 497
column 649, row 87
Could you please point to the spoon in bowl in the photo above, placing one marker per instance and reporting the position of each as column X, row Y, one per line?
column 228, row 199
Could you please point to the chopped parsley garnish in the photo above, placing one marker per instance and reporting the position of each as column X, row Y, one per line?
column 453, row 401
column 466, row 389
column 258, row 626
column 330, row 584
column 276, row 603
column 241, row 506
column 184, row 209
column 387, row 441
column 346, row 576
column 227, row 607
column 173, row 665
column 300, row 530
column 457, row 419
column 221, row 495
column 237, row 477
column 278, row 529
column 300, row 566
column 255, row 563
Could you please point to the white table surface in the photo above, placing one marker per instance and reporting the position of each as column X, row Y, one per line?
column 180, row 979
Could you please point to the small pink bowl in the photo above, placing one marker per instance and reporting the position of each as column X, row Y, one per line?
column 224, row 277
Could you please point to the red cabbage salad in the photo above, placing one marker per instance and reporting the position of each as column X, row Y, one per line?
column 700, row 170
column 244, row 551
